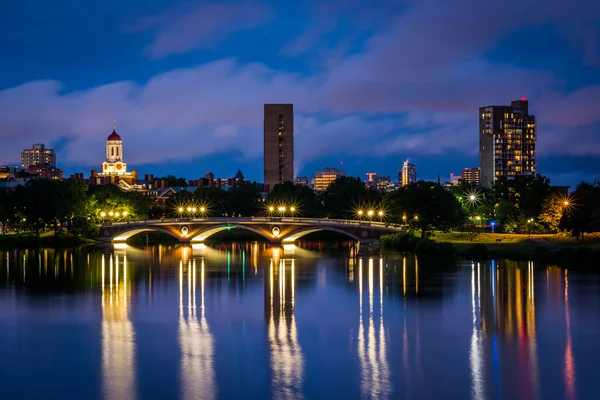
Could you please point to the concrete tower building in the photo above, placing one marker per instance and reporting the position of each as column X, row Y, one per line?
column 278, row 144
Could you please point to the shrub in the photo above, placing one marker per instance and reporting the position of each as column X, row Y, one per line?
column 478, row 250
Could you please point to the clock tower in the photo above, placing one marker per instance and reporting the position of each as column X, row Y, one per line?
column 114, row 165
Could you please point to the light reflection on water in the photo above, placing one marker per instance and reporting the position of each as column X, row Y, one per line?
column 497, row 329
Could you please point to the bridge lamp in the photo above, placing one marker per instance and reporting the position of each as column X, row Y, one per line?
column 271, row 209
column 380, row 213
column 194, row 210
column 189, row 209
column 370, row 213
column 180, row 209
column 103, row 214
column 202, row 209
column 124, row 213
column 110, row 213
column 292, row 209
column 281, row 209
column 360, row 213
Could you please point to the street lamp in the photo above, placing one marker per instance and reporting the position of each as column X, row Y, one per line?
column 380, row 214
column 360, row 214
column 281, row 210
column 493, row 224
column 370, row 213
column 529, row 221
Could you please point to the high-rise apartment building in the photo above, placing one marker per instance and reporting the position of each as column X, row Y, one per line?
column 324, row 178
column 471, row 175
column 278, row 144
column 507, row 136
column 37, row 155
column 408, row 174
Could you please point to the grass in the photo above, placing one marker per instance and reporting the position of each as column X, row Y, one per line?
column 513, row 245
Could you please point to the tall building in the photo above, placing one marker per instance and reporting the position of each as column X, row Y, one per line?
column 507, row 136
column 471, row 175
column 324, row 178
column 278, row 144
column 408, row 174
column 38, row 154
column 371, row 177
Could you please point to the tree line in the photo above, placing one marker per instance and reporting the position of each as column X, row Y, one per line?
column 520, row 205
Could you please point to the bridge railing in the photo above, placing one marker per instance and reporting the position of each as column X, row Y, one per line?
column 230, row 220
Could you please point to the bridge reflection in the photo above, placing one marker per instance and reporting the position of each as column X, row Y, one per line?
column 118, row 335
column 372, row 351
column 195, row 338
column 287, row 361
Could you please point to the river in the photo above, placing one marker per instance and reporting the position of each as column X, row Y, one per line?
column 247, row 321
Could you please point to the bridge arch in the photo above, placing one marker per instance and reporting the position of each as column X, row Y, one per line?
column 124, row 235
column 205, row 234
column 295, row 235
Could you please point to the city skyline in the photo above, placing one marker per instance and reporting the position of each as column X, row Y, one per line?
column 191, row 75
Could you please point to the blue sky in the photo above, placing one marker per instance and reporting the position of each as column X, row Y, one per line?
column 373, row 83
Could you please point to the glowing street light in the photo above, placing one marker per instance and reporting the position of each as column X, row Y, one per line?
column 103, row 214
column 380, row 213
column 292, row 209
column 370, row 213
column 124, row 213
column 110, row 213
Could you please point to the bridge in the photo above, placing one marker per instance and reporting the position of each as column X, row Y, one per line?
column 276, row 230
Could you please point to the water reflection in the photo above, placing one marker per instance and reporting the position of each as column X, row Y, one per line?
column 494, row 329
column 372, row 353
column 287, row 361
column 503, row 325
column 118, row 342
column 195, row 338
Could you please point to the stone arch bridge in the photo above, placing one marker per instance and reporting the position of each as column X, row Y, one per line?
column 276, row 230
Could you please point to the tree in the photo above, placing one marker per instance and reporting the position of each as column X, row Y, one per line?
column 243, row 200
column 303, row 198
column 426, row 206
column 7, row 208
column 552, row 212
column 585, row 202
column 527, row 193
column 173, row 181
column 345, row 195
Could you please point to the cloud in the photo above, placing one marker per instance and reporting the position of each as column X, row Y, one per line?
column 194, row 26
column 414, row 88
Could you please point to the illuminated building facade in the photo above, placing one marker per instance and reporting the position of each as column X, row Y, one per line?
column 38, row 154
column 507, row 136
column 471, row 175
column 278, row 144
column 114, row 164
column 324, row 178
column 408, row 174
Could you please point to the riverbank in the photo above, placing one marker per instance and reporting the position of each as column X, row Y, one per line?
column 48, row 239
column 542, row 248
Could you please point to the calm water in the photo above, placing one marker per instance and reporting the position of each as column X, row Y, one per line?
column 247, row 321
